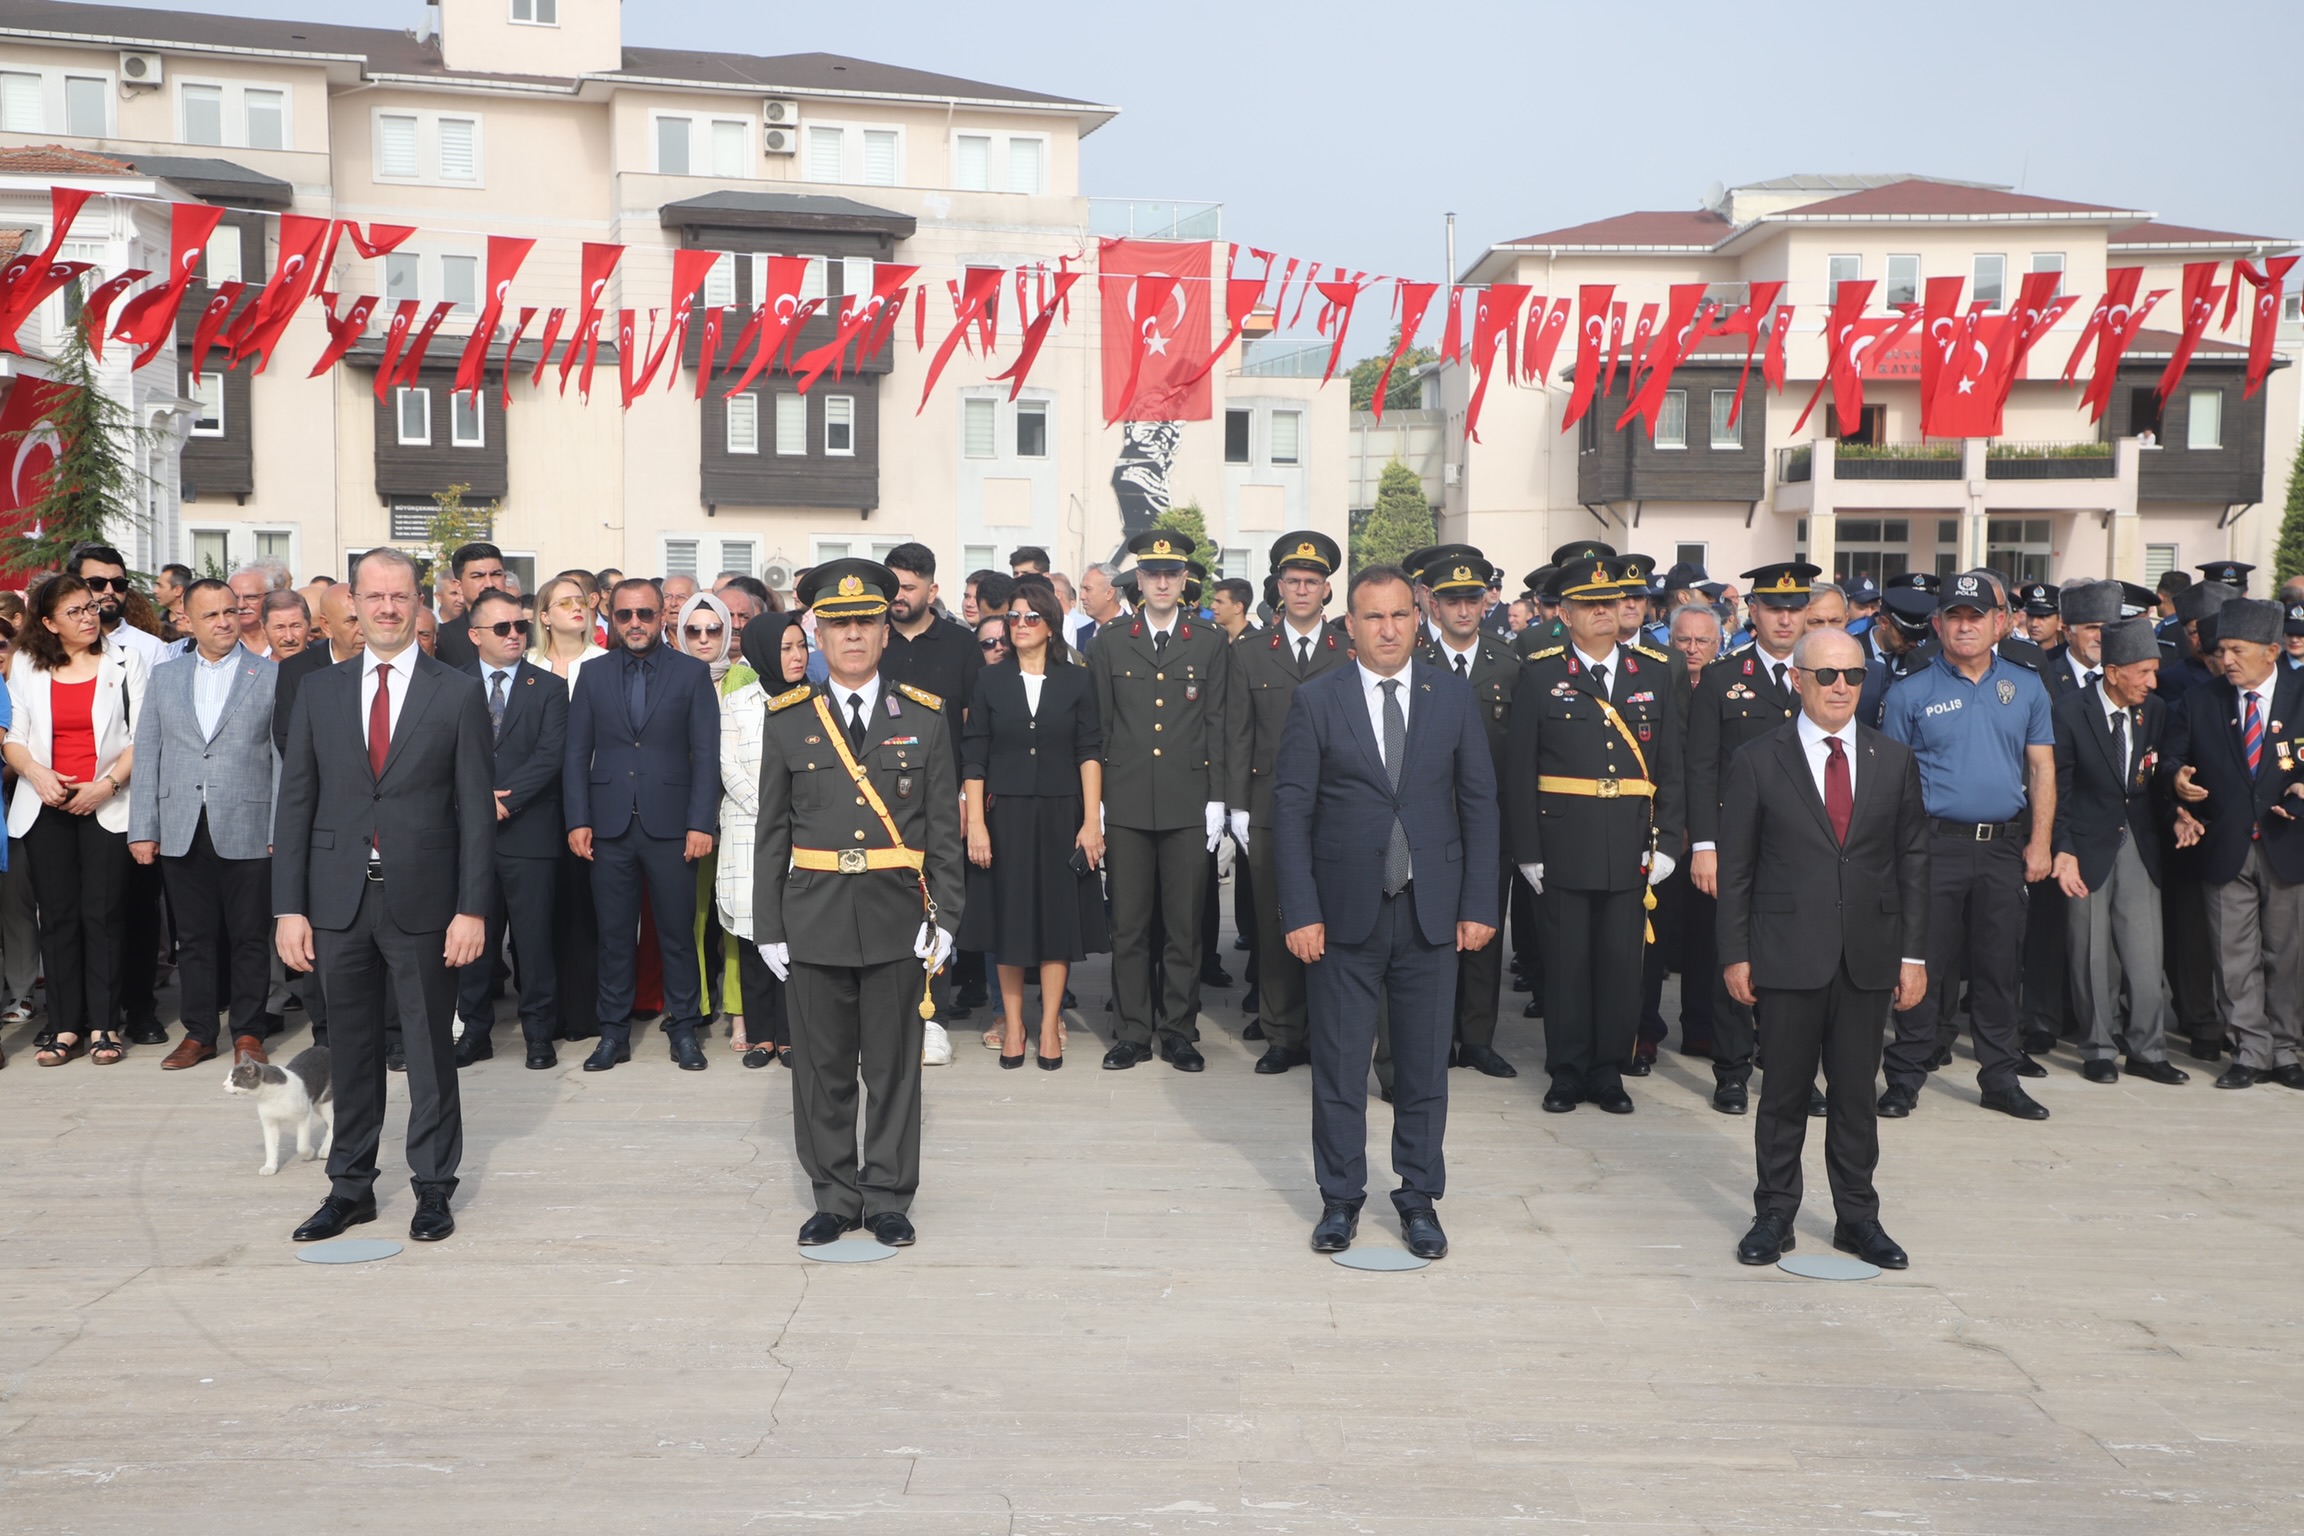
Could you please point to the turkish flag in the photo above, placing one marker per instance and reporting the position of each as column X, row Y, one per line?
column 1661, row 354
column 2264, row 325
column 2123, row 318
column 1036, row 333
column 149, row 320
column 505, row 253
column 512, row 342
column 212, row 318
column 1338, row 297
column 21, row 280
column 1645, row 323
column 1409, row 301
column 342, row 333
column 1495, row 324
column 1154, row 300
column 1591, row 332
column 777, row 318
column 599, row 262
column 1537, row 361
column 1840, row 362
column 2200, row 297
column 28, row 446
column 973, row 298
column 553, row 318
column 294, row 275
column 1772, row 364
column 395, row 337
column 1452, row 340
column 96, row 309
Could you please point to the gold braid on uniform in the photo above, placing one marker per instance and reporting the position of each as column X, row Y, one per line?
column 790, row 697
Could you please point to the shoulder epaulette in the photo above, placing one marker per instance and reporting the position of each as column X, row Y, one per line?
column 1651, row 652
column 790, row 697
column 920, row 696
column 1548, row 651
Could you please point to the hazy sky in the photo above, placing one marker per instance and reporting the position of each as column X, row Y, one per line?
column 1342, row 132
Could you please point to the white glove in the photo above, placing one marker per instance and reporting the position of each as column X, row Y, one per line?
column 1240, row 829
column 1660, row 867
column 1534, row 875
column 778, row 958
column 933, row 946
column 1215, row 810
column 1101, row 828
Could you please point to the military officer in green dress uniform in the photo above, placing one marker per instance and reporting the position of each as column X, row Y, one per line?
column 1550, row 629
column 1457, row 575
column 1161, row 679
column 1592, row 815
column 1742, row 698
column 1267, row 666
column 857, row 885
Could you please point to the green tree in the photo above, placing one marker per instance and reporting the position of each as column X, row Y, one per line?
column 2288, row 554
column 1404, row 393
column 1400, row 521
column 1186, row 518
column 453, row 526
column 93, row 486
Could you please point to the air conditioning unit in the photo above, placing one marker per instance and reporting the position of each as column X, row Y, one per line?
column 140, row 68
column 777, row 573
column 779, row 140
column 780, row 113
column 780, row 126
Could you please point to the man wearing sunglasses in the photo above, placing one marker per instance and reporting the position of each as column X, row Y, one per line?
column 105, row 570
column 640, row 782
column 528, row 722
column 473, row 569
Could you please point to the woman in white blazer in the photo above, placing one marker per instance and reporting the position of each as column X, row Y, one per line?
column 73, row 706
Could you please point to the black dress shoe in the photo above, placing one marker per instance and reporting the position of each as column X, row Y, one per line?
column 1215, row 976
column 1279, row 1058
column 824, row 1227
column 1069, row 1000
column 1485, row 1061
column 475, row 1046
column 2038, row 1042
column 687, row 1053
column 1241, row 942
column 2289, row 1076
column 1522, row 984
column 957, row 1012
column 395, row 1057
column 150, row 1032
column 431, row 1221
column 1765, row 1243
column 1897, row 1102
column 1534, row 1010
column 1731, row 1099
column 2027, row 1067
column 2158, row 1071
column 608, row 1053
column 1339, row 1224
column 1614, row 1101
column 1252, row 999
column 2100, row 1071
column 893, row 1229
column 1641, row 1064
column 541, row 1056
column 758, row 1056
column 973, row 995
column 1384, row 1092
column 1942, row 1058
column 1254, row 1030
column 1817, row 1107
column 1126, row 1054
column 2015, row 1102
column 335, row 1215
column 1559, row 1099
column 2205, row 1048
column 1867, row 1241
column 1182, row 1054
column 1421, row 1229
column 2238, row 1076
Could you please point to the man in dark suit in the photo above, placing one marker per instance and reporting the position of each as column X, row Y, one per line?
column 2112, row 816
column 641, row 791
column 1823, row 919
column 528, row 721
column 2241, row 740
column 475, row 568
column 384, row 868
column 342, row 644
column 1389, row 762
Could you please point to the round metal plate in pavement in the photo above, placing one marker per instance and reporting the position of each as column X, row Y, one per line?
column 1380, row 1259
column 860, row 1250
column 1827, row 1266
column 349, row 1250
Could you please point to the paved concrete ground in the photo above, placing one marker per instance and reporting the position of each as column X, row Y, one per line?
column 1112, row 1322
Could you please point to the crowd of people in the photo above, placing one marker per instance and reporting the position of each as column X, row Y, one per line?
column 635, row 818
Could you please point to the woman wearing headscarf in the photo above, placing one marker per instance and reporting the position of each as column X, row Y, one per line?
column 705, row 632
column 775, row 658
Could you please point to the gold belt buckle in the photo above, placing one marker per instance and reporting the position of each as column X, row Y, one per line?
column 1606, row 789
column 852, row 861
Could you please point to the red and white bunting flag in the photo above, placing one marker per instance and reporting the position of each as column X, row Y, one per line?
column 26, row 280
column 1495, row 327
column 1841, row 360
column 1592, row 309
column 344, row 330
column 2200, row 297
column 505, row 253
column 213, row 314
column 1409, row 301
column 1036, row 333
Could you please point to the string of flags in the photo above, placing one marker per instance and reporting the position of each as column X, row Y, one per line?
column 1156, row 303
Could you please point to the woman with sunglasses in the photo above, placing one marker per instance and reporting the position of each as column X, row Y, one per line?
column 707, row 631
column 564, row 643
column 564, row 629
column 71, row 699
column 775, row 659
column 1033, row 774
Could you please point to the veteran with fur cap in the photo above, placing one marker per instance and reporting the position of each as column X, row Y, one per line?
column 2128, row 641
column 2090, row 602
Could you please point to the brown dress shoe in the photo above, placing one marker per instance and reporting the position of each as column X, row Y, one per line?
column 248, row 1048
column 188, row 1053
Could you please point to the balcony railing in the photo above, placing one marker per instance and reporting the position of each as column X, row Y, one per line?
column 1794, row 465
column 2049, row 461
column 1152, row 219
column 1896, row 461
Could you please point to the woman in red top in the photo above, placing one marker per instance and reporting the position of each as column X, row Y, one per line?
column 72, row 703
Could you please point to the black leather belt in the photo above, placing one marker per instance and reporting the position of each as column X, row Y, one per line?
column 1976, row 831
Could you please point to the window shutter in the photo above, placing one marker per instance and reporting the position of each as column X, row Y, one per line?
column 20, row 105
column 679, row 557
column 203, row 113
column 879, row 157
column 1287, row 437
column 739, row 555
column 972, row 163
column 792, row 425
column 731, row 148
column 839, row 424
column 744, row 423
column 1672, row 421
column 720, row 282
column 395, row 145
column 1024, row 165
column 976, row 429
column 824, row 149
column 459, row 149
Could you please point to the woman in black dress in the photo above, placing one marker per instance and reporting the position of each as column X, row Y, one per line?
column 1030, row 761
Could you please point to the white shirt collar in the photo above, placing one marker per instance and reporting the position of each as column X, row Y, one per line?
column 1812, row 735
column 2112, row 711
column 401, row 664
column 218, row 665
column 841, row 691
column 1288, row 627
column 2080, row 669
column 1371, row 682
column 1152, row 627
column 1608, row 660
column 1453, row 649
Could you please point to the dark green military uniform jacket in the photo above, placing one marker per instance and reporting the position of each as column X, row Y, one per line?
column 1738, row 701
column 1539, row 636
column 1163, row 715
column 1263, row 683
column 1592, row 842
column 1493, row 671
column 807, row 800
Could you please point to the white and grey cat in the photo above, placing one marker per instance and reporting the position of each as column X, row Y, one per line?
column 297, row 1094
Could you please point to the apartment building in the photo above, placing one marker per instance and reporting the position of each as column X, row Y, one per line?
column 2154, row 485
column 532, row 118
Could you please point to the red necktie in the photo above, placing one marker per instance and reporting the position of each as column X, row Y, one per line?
column 1839, row 796
column 380, row 720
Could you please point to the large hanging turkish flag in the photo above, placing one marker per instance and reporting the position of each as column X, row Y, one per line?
column 28, row 446
column 1151, row 357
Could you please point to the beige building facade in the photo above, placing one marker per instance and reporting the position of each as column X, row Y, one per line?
column 2200, row 477
column 530, row 118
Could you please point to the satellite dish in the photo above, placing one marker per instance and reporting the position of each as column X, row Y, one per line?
column 1715, row 195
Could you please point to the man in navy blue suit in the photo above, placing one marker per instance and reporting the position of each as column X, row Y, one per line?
column 642, row 790
column 1384, row 817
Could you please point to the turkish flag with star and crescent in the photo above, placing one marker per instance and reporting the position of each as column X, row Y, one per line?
column 1161, row 351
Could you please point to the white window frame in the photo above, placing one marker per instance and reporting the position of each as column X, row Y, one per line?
column 808, row 153
column 287, row 127
column 285, row 549
column 227, row 236
column 376, row 171
column 479, row 409
column 39, row 97
column 746, row 157
column 184, row 89
column 2192, row 399
column 815, row 278
column 691, row 564
column 427, row 149
column 987, row 409
column 1726, row 438
column 1976, row 280
column 1834, row 278
column 1046, row 411
column 108, row 89
column 744, row 408
column 895, row 156
column 843, row 406
column 1272, row 439
column 462, row 311
column 989, row 140
column 1888, row 282
column 719, row 289
column 1678, row 444
column 533, row 18
column 210, row 393
column 851, row 133
column 2055, row 256
column 400, row 399
column 656, row 122
column 414, row 260
column 1007, row 181
column 193, row 534
column 798, row 409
